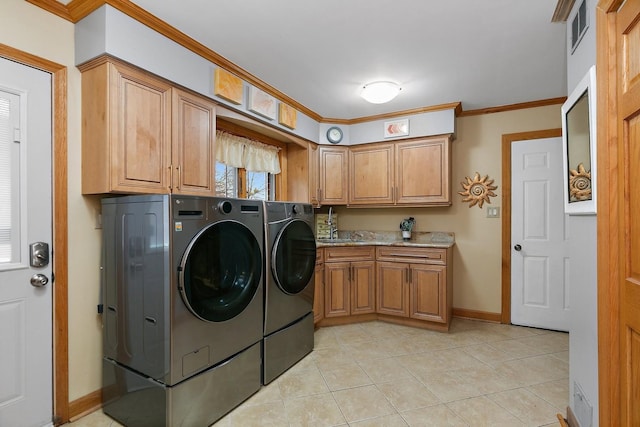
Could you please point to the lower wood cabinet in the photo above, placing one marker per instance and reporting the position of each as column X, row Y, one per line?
column 393, row 292
column 349, row 281
column 318, row 295
column 428, row 293
column 413, row 282
column 409, row 285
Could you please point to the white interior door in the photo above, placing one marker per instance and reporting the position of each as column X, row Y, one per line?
column 25, row 218
column 539, row 255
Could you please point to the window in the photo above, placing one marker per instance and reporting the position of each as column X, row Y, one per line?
column 246, row 168
column 244, row 184
column 579, row 25
column 226, row 180
column 260, row 186
column 9, row 179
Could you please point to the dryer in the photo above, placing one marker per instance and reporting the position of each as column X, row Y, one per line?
column 183, row 296
column 290, row 257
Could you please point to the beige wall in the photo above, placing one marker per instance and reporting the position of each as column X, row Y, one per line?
column 33, row 30
column 477, row 254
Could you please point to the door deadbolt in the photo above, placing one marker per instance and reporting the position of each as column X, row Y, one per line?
column 39, row 252
column 517, row 248
column 39, row 280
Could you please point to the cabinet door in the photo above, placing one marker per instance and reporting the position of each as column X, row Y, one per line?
column 314, row 175
column 318, row 296
column 392, row 288
column 302, row 181
column 336, row 289
column 333, row 175
column 193, row 153
column 423, row 173
column 362, row 277
column 371, row 174
column 140, row 114
column 428, row 292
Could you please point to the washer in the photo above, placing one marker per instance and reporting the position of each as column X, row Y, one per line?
column 290, row 257
column 183, row 296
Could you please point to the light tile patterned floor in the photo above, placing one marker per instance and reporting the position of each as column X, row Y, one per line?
column 379, row 374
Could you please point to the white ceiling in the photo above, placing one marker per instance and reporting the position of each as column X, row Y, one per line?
column 483, row 53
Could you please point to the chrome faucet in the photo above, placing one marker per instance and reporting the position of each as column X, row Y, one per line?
column 332, row 229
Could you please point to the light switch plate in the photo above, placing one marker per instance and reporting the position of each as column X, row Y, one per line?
column 493, row 212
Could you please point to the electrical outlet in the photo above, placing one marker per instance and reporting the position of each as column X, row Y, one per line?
column 98, row 220
column 493, row 212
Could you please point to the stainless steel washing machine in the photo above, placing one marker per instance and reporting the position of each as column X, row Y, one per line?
column 290, row 257
column 183, row 307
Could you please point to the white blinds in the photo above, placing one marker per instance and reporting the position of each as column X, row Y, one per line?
column 242, row 152
column 9, row 179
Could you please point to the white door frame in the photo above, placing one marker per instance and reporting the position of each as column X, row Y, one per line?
column 60, row 227
column 507, row 140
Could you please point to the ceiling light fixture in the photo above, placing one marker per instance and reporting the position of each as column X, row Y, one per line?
column 380, row 92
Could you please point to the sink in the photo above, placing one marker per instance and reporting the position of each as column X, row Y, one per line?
column 335, row 240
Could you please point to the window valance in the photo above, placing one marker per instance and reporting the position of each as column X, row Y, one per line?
column 240, row 152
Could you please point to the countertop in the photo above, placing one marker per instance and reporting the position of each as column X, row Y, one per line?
column 437, row 239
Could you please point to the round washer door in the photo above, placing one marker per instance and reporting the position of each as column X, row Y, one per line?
column 293, row 259
column 220, row 271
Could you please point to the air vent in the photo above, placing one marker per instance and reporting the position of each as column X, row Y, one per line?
column 579, row 25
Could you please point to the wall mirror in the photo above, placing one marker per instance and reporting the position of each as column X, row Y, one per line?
column 579, row 147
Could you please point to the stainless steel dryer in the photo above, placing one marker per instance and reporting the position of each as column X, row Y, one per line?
column 183, row 296
column 290, row 265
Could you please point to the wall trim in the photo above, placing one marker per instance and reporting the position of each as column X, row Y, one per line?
column 610, row 230
column 60, row 225
column 572, row 420
column 563, row 8
column 456, row 106
column 78, row 9
column 486, row 316
column 513, row 107
column 85, row 405
column 507, row 140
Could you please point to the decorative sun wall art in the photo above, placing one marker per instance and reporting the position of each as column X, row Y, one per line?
column 579, row 184
column 478, row 190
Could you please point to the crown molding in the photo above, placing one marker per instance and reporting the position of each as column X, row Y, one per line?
column 78, row 9
column 563, row 8
column 457, row 106
column 512, row 107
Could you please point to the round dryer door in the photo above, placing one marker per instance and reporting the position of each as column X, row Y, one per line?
column 293, row 259
column 220, row 271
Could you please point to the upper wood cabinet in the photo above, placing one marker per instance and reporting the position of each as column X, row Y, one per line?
column 314, row 174
column 415, row 172
column 423, row 172
column 303, row 177
column 193, row 156
column 333, row 168
column 371, row 174
column 141, row 135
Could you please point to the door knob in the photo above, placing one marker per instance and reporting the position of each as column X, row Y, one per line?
column 517, row 248
column 39, row 280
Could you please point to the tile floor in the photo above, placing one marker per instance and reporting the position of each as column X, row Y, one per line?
column 379, row 374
